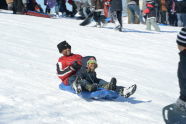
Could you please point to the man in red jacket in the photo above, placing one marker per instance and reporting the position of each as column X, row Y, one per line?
column 68, row 64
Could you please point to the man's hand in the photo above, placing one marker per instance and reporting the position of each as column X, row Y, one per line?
column 76, row 66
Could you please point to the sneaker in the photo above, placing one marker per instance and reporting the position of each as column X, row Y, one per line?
column 181, row 104
column 77, row 87
column 119, row 28
column 127, row 92
column 112, row 84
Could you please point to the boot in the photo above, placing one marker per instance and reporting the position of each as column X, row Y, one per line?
column 112, row 84
column 127, row 92
column 77, row 86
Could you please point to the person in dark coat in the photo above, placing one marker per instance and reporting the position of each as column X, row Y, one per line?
column 116, row 6
column 87, row 80
column 18, row 7
column 3, row 4
column 181, row 12
column 163, row 11
column 150, row 12
column 181, row 41
column 87, row 76
column 171, row 12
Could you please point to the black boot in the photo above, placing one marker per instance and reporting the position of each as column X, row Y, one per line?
column 112, row 85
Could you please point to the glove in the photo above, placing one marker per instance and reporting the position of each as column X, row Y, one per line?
column 76, row 66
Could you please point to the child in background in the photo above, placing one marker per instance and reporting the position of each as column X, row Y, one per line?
column 151, row 15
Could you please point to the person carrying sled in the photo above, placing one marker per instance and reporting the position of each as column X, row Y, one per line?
column 87, row 80
column 150, row 13
column 181, row 41
column 68, row 64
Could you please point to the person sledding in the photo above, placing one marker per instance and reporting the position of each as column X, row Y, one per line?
column 87, row 80
column 68, row 64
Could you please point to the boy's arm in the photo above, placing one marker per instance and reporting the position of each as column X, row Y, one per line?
column 64, row 73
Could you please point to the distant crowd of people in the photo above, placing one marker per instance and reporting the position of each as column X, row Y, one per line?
column 167, row 12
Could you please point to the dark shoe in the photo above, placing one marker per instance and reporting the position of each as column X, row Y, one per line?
column 120, row 29
column 112, row 84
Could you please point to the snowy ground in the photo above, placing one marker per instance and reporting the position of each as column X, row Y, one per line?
column 29, row 92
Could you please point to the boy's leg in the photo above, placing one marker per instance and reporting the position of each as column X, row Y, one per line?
column 86, row 86
column 154, row 24
column 108, row 85
column 90, row 87
column 75, row 84
column 103, row 84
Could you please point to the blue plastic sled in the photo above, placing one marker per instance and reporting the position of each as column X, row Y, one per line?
column 99, row 94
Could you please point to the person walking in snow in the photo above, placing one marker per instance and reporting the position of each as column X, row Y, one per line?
column 133, row 6
column 151, row 15
column 181, row 41
column 68, row 64
column 180, row 6
column 116, row 7
column 87, row 80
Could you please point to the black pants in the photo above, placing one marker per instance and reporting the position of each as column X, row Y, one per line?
column 172, row 19
column 97, row 17
column 47, row 10
column 119, row 17
column 163, row 17
column 182, row 75
column 3, row 4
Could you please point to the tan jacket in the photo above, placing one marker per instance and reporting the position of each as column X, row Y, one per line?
column 163, row 5
column 9, row 1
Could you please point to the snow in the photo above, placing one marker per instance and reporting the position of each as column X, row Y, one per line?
column 29, row 92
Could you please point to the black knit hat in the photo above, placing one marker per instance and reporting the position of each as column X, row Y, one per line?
column 181, row 37
column 62, row 46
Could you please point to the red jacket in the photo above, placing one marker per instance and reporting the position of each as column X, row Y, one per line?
column 64, row 69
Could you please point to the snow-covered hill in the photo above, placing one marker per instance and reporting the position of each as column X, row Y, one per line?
column 29, row 92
